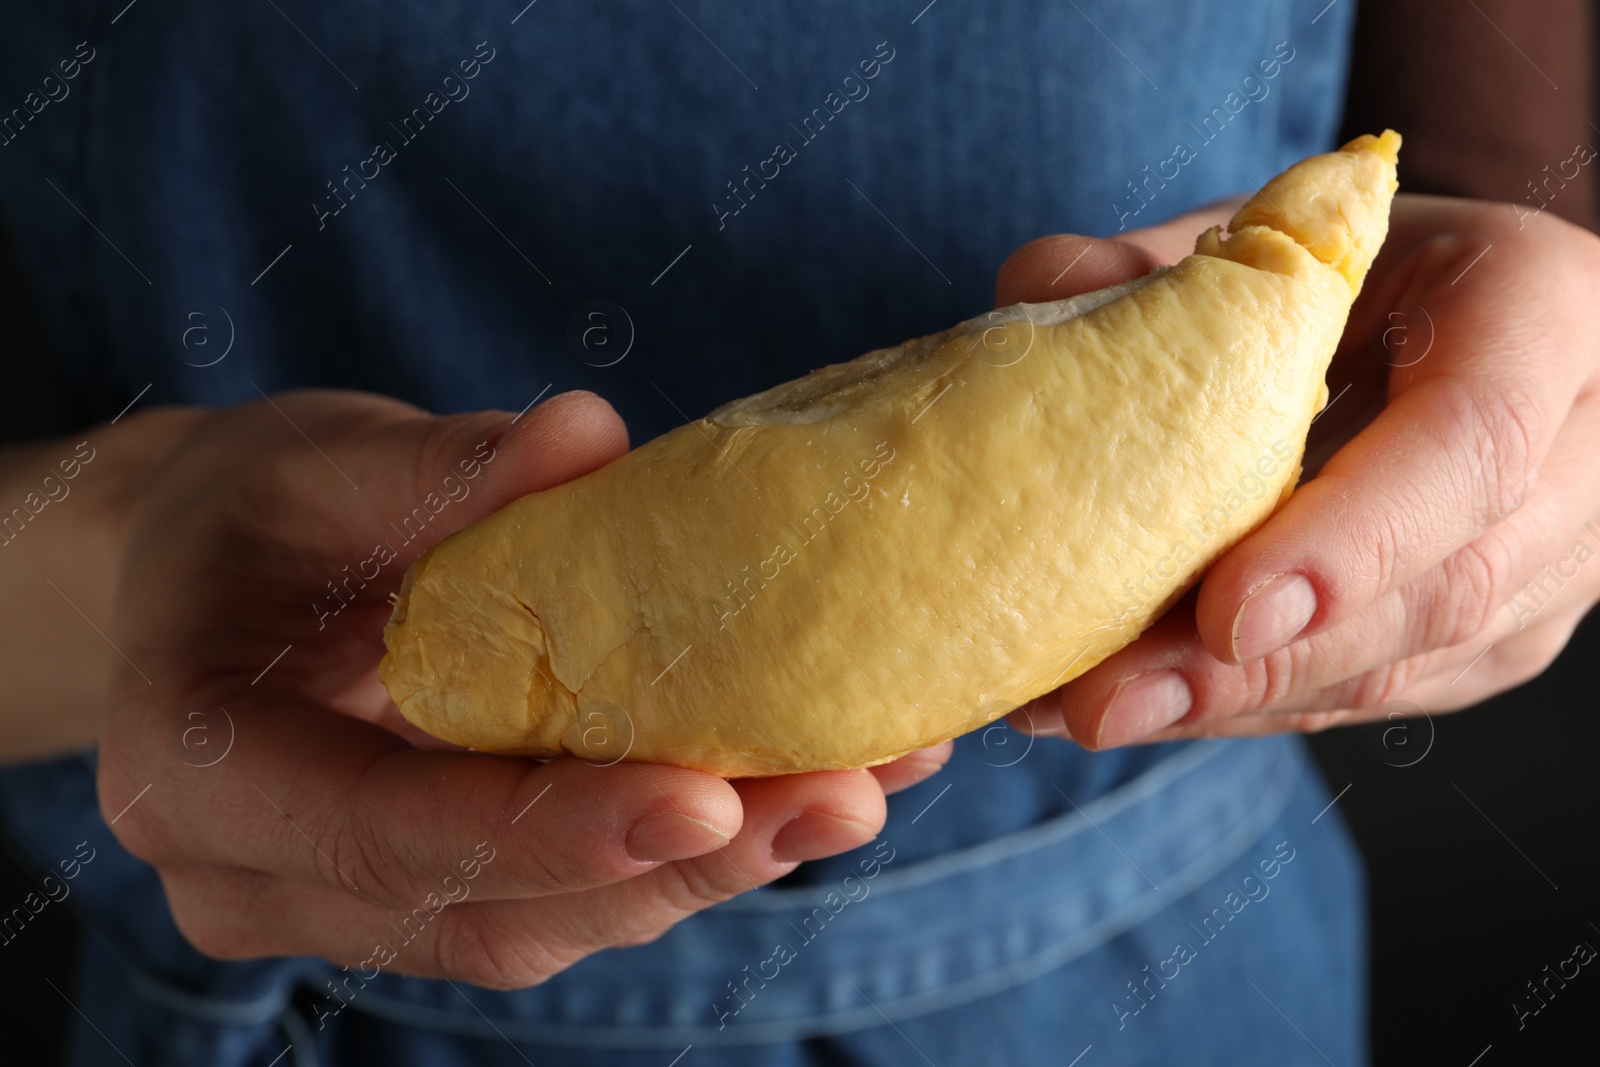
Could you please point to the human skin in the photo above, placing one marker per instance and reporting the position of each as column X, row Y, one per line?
column 1463, row 459
column 285, row 804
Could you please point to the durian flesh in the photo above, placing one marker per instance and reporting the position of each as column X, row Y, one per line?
column 899, row 549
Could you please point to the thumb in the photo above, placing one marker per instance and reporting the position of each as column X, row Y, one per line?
column 1063, row 265
column 563, row 438
column 463, row 468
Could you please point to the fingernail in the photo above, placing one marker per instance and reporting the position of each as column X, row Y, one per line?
column 815, row 834
column 671, row 835
column 924, row 762
column 1272, row 616
column 1142, row 705
column 1046, row 718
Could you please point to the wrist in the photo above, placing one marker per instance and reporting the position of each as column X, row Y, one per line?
column 65, row 510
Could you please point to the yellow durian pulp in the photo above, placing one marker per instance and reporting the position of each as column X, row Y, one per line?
column 896, row 550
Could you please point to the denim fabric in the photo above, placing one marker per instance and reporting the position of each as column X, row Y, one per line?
column 601, row 153
column 597, row 144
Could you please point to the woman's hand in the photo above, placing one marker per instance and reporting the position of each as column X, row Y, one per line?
column 252, row 756
column 1443, row 551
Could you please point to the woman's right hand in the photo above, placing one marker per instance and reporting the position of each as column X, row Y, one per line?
column 251, row 755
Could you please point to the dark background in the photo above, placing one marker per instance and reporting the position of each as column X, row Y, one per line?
column 1460, row 919
column 1464, row 911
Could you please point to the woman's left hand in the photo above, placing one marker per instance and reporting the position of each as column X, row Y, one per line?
column 1444, row 550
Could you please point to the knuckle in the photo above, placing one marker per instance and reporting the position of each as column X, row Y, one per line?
column 1549, row 228
column 140, row 832
column 1525, row 660
column 1385, row 683
column 679, row 890
column 675, row 891
column 1520, row 425
column 1461, row 599
column 211, row 939
column 1315, row 722
column 645, row 935
column 141, row 828
column 1505, row 428
column 351, row 859
column 686, row 888
column 1586, row 252
column 437, row 446
column 444, row 445
column 1500, row 229
column 272, row 478
column 1278, row 676
column 213, row 932
column 1393, row 528
column 276, row 471
column 553, row 872
column 473, row 948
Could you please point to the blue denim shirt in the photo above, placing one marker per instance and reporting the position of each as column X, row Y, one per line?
column 433, row 200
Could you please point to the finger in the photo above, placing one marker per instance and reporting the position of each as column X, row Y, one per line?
column 1054, row 268
column 1478, row 671
column 844, row 810
column 1474, row 424
column 1063, row 265
column 400, row 482
column 1142, row 681
column 1376, row 695
column 1173, row 239
column 311, row 795
column 910, row 769
column 465, row 467
column 451, row 932
column 1309, row 722
column 387, row 462
column 562, row 438
column 1437, row 682
column 1472, row 596
column 1169, row 676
